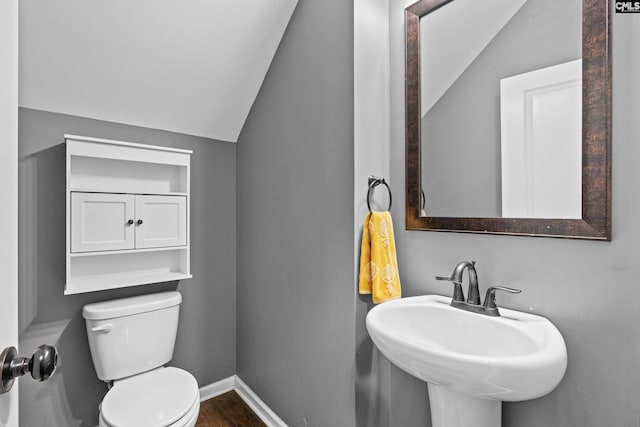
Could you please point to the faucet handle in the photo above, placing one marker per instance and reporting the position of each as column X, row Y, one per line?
column 490, row 296
column 458, row 295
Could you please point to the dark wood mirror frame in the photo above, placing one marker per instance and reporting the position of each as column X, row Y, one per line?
column 596, row 138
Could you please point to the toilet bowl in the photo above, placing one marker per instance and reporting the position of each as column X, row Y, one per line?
column 131, row 339
column 162, row 397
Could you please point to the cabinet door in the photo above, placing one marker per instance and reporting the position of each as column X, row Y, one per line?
column 100, row 222
column 161, row 221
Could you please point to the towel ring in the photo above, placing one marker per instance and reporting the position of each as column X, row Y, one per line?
column 374, row 181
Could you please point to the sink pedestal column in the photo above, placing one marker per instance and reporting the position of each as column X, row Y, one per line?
column 452, row 409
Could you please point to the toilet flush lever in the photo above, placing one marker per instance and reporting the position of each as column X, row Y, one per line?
column 41, row 365
column 106, row 328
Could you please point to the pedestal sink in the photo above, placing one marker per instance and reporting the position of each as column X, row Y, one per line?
column 471, row 362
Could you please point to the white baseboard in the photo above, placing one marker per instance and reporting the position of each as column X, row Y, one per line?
column 217, row 388
column 255, row 403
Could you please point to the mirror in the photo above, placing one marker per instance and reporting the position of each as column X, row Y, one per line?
column 508, row 117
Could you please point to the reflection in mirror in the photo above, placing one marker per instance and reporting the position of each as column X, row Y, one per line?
column 508, row 117
column 501, row 109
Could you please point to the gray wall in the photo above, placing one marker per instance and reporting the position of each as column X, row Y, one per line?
column 461, row 132
column 295, row 288
column 588, row 289
column 206, row 335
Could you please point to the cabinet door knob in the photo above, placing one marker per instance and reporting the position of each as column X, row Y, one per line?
column 130, row 222
column 139, row 222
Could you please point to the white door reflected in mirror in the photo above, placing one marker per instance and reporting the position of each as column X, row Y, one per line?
column 542, row 143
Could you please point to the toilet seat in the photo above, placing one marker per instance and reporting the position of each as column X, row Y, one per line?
column 159, row 398
column 189, row 420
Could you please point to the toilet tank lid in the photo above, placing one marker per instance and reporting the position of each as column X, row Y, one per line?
column 132, row 305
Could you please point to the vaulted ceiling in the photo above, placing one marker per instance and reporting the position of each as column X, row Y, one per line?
column 450, row 49
column 187, row 66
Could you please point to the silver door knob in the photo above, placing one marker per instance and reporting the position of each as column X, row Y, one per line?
column 41, row 365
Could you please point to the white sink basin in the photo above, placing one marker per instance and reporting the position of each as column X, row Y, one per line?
column 517, row 356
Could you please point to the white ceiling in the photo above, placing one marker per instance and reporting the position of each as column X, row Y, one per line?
column 187, row 66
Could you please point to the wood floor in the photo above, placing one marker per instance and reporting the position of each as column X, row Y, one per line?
column 227, row 410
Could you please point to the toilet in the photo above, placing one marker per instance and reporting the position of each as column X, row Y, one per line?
column 131, row 339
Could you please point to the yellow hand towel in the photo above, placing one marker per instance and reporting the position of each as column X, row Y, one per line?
column 378, row 263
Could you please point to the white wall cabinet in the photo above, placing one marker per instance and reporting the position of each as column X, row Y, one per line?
column 102, row 222
column 127, row 214
column 161, row 221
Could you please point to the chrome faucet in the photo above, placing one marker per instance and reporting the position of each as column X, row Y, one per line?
column 472, row 303
column 473, row 293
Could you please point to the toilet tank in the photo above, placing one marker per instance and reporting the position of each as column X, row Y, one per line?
column 129, row 336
